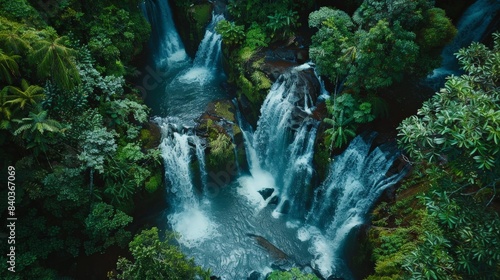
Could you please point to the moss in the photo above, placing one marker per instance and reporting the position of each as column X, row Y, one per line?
column 261, row 81
column 223, row 109
column 221, row 152
column 321, row 160
column 154, row 182
column 248, row 89
column 202, row 14
column 245, row 54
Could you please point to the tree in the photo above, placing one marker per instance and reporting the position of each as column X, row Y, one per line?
column 333, row 48
column 232, row 34
column 462, row 121
column 12, row 42
column 381, row 43
column 8, row 66
column 38, row 130
column 156, row 259
column 345, row 113
column 55, row 60
column 105, row 227
column 27, row 94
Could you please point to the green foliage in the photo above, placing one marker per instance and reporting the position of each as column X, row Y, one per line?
column 95, row 145
column 282, row 22
column 156, row 259
column 8, row 66
column 408, row 14
column 232, row 34
column 461, row 122
column 27, row 94
column 383, row 42
column 332, row 49
column 19, row 10
column 346, row 113
column 154, row 182
column 221, row 150
column 293, row 274
column 116, row 35
column 255, row 37
column 105, row 227
column 468, row 246
column 38, row 130
column 55, row 60
column 438, row 29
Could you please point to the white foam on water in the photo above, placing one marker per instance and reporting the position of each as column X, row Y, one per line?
column 193, row 226
column 303, row 234
column 251, row 185
column 200, row 75
column 323, row 257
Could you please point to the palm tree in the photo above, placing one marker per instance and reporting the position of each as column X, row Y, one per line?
column 38, row 130
column 5, row 110
column 27, row 94
column 55, row 60
column 11, row 42
column 8, row 66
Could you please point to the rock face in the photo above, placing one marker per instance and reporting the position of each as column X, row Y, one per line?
column 252, row 93
column 217, row 124
column 191, row 21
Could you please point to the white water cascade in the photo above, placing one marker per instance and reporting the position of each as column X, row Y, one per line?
column 189, row 218
column 281, row 149
column 216, row 230
column 471, row 27
column 182, row 99
column 169, row 50
column 355, row 181
column 207, row 59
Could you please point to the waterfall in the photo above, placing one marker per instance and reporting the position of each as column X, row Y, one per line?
column 165, row 41
column 356, row 180
column 471, row 27
column 280, row 151
column 209, row 51
column 207, row 59
column 189, row 218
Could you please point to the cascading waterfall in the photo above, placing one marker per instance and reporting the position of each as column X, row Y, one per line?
column 168, row 48
column 472, row 27
column 281, row 149
column 279, row 155
column 189, row 219
column 355, row 181
column 207, row 59
column 208, row 54
column 184, row 100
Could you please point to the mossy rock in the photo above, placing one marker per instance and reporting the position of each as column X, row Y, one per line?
column 150, row 136
column 154, row 182
column 191, row 21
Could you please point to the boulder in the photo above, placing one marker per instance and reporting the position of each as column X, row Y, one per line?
column 266, row 193
column 254, row 275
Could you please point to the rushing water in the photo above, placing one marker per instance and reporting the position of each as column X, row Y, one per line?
column 233, row 230
column 472, row 27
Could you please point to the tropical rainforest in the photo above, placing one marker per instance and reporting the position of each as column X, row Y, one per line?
column 82, row 150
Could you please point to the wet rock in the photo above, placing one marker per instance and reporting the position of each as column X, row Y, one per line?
column 274, row 200
column 285, row 208
column 254, row 275
column 266, row 193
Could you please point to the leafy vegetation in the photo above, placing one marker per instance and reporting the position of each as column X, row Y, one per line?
column 79, row 158
column 450, row 231
column 156, row 259
column 293, row 274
